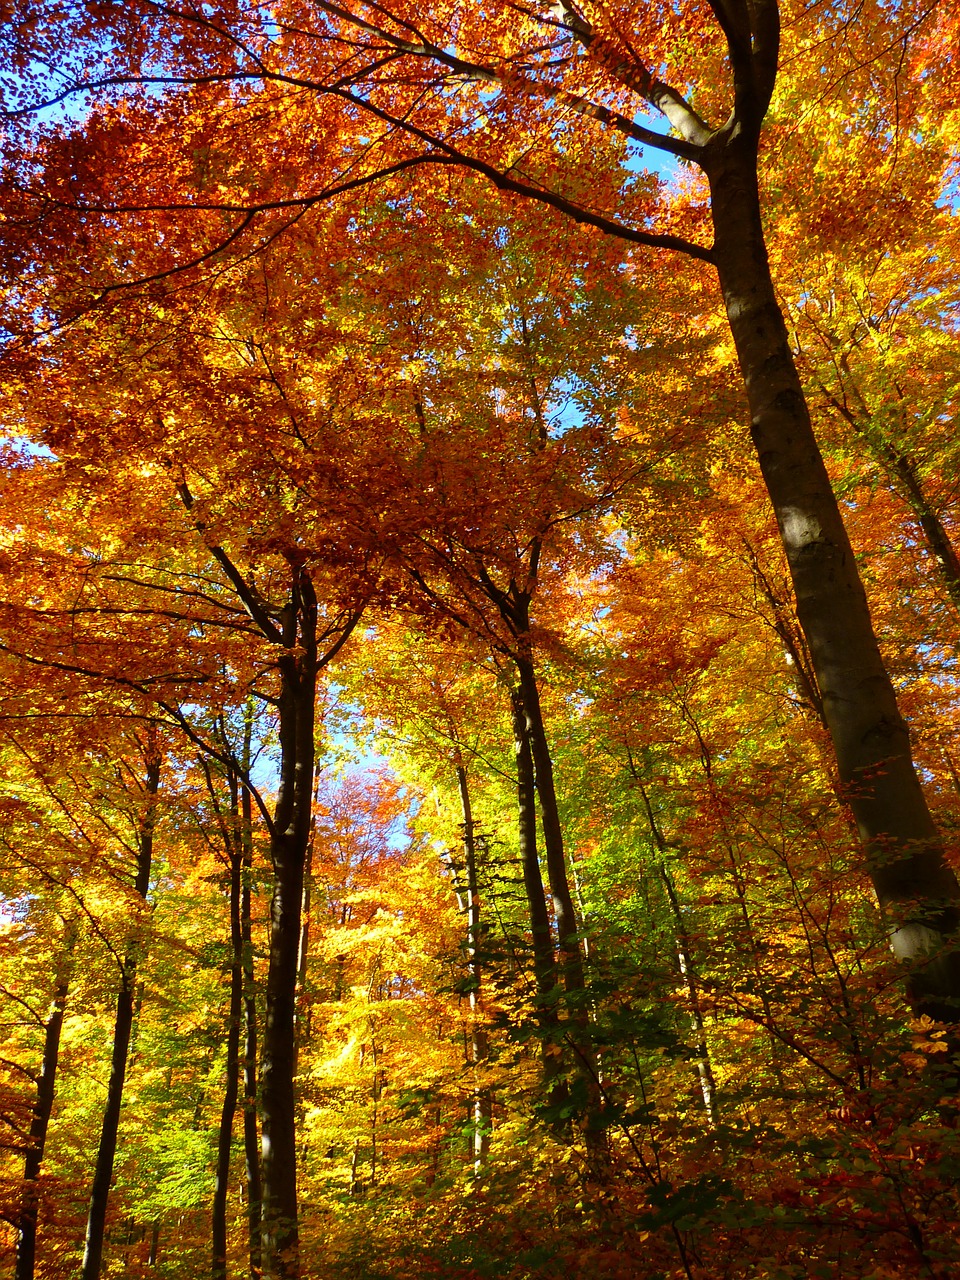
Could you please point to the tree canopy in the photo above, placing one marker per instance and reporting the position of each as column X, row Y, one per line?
column 479, row 640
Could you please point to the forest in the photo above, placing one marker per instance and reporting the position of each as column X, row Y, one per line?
column 480, row 640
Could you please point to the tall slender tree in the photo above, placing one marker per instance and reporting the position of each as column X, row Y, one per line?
column 125, row 1013
column 43, row 1107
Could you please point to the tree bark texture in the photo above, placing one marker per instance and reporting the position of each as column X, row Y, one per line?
column 123, row 1025
column 577, row 1035
column 916, row 888
column 708, row 1083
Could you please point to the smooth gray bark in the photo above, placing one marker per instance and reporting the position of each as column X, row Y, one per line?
column 915, row 887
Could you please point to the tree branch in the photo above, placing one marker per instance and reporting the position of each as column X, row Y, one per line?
column 245, row 592
column 452, row 155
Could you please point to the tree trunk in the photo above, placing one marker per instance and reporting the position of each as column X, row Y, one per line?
column 544, row 957
column 107, row 1150
column 228, row 1111
column 293, row 631
column 303, row 951
column 479, row 1047
column 791, row 637
column 707, row 1080
column 571, row 959
column 251, row 1138
column 278, row 1142
column 708, row 1083
column 123, row 1024
column 43, row 1109
column 916, row 889
column 289, row 841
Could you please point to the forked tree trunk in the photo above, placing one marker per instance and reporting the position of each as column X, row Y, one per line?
column 568, row 941
column 42, row 1111
column 916, row 889
column 294, row 631
column 571, row 958
column 544, row 957
column 123, row 1025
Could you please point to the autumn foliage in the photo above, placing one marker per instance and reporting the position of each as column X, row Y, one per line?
column 478, row 641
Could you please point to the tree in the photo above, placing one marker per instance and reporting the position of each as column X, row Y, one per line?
column 516, row 450
column 277, row 613
column 123, row 1024
column 42, row 1110
column 593, row 76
